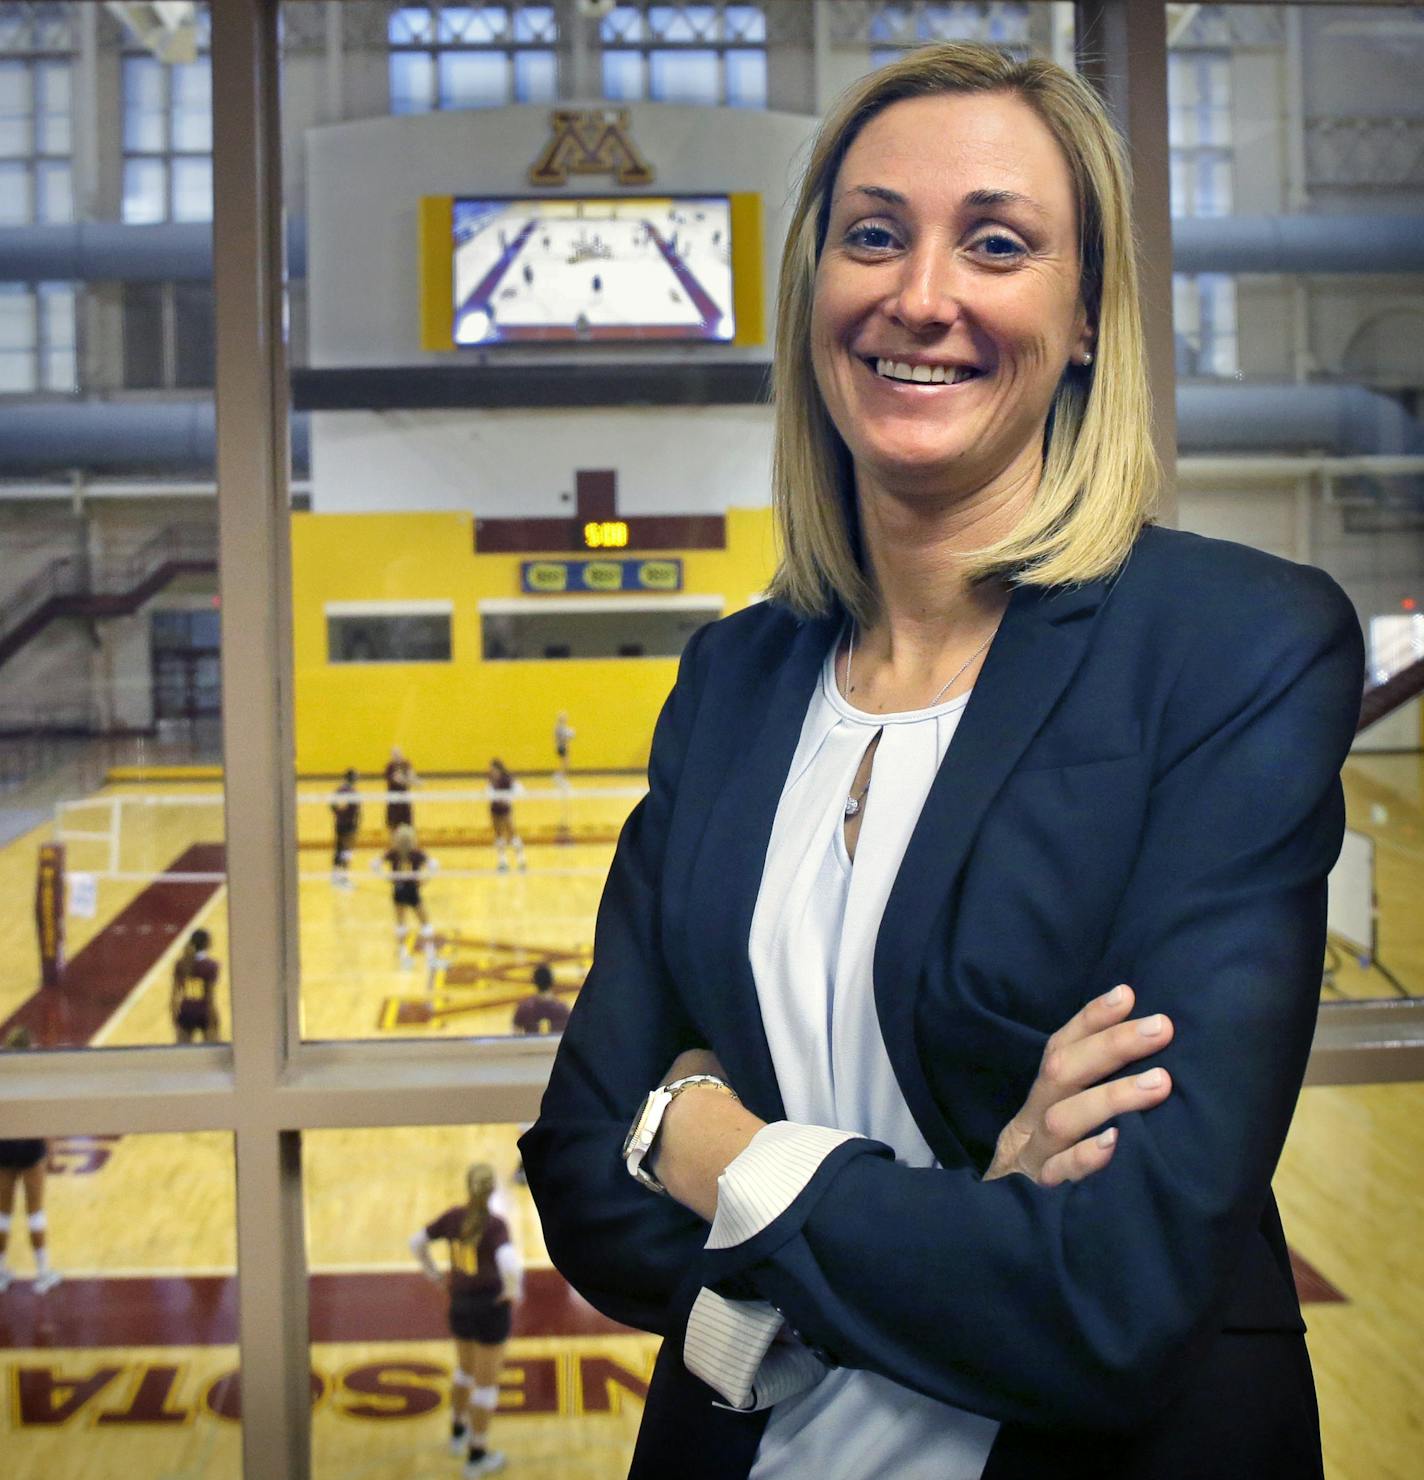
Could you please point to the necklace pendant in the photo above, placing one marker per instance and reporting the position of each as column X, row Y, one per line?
column 851, row 807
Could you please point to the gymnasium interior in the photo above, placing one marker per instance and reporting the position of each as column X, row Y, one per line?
column 384, row 388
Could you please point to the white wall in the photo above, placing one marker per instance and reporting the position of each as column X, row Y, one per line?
column 669, row 460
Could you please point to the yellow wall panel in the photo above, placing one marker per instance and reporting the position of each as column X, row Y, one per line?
column 454, row 716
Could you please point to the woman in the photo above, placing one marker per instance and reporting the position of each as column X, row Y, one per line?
column 346, row 821
column 400, row 782
column 22, row 1164
column 942, row 1242
column 192, row 1002
column 502, row 790
column 486, row 1281
column 409, row 867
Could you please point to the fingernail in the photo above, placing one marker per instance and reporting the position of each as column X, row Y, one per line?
column 1150, row 1027
column 1107, row 1137
column 1150, row 1080
column 1114, row 997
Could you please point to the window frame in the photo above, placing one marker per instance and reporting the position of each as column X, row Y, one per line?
column 267, row 1086
column 647, row 47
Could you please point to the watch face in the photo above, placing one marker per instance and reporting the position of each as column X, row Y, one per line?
column 635, row 1132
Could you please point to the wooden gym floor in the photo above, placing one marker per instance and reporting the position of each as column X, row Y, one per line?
column 127, row 1369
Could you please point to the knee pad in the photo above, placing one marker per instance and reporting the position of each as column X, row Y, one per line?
column 485, row 1397
column 38, row 1222
column 462, row 1379
column 4, row 1222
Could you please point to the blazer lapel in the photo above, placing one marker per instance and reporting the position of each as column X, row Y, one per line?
column 727, row 874
column 1030, row 663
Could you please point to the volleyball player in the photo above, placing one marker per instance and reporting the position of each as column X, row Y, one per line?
column 563, row 733
column 22, row 1164
column 485, row 1282
column 400, row 781
column 409, row 867
column 192, row 1002
column 503, row 787
column 541, row 1011
column 346, row 818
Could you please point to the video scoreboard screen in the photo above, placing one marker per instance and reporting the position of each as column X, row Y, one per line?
column 592, row 268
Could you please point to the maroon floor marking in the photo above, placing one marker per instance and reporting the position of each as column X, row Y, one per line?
column 98, row 979
column 1312, row 1286
column 202, row 1311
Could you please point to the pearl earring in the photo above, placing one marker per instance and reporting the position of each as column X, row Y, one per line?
column 1087, row 358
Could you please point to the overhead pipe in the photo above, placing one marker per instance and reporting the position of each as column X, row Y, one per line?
column 182, row 251
column 124, row 437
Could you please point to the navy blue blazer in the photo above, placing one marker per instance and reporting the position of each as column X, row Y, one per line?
column 1144, row 787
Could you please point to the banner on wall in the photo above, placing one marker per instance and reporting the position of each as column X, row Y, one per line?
column 560, row 577
column 49, row 912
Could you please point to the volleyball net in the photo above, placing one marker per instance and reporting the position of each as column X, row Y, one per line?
column 124, row 835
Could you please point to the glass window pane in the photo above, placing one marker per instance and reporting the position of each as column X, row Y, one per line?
column 52, row 107
column 473, row 79
column 56, row 304
column 683, row 22
column 686, row 77
column 622, row 23
column 192, row 107
column 746, row 79
column 54, row 193
column 16, row 202
column 17, row 372
column 18, row 317
column 412, row 23
column 412, row 82
column 536, row 77
column 192, row 189
column 744, row 23
column 143, row 336
column 623, row 76
column 535, row 23
column 121, row 1337
column 571, row 1383
column 193, row 335
column 145, row 95
column 15, row 109
column 145, row 191
column 474, row 25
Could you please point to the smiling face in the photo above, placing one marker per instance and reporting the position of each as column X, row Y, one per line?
column 947, row 294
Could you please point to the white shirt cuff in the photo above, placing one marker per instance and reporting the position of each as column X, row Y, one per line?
column 729, row 1343
column 729, row 1346
column 760, row 1184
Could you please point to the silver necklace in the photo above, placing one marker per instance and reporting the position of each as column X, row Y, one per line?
column 854, row 802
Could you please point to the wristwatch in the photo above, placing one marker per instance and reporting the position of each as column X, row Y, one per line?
column 649, row 1119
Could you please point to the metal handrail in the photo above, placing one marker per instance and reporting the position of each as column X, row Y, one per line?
column 69, row 575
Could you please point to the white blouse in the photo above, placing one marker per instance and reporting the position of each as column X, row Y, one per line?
column 812, row 949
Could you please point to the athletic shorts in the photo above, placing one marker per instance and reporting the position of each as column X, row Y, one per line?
column 195, row 1017
column 20, row 1156
column 407, row 892
column 479, row 1318
column 398, row 814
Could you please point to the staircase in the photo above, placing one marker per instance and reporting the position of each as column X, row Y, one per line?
column 67, row 587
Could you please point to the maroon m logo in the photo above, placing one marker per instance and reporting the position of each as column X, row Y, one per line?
column 595, row 142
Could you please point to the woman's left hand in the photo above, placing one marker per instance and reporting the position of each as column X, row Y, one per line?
column 703, row 1131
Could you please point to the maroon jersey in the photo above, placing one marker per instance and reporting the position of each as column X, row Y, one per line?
column 413, row 863
column 500, row 780
column 194, row 980
column 398, row 775
column 347, row 814
column 541, row 1015
column 473, row 1270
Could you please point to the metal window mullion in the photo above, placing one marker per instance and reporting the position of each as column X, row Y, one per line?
column 255, row 581
column 1122, row 48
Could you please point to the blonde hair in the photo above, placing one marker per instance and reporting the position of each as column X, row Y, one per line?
column 479, row 1185
column 403, row 838
column 1100, row 472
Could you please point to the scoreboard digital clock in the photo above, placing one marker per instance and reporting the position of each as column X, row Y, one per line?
column 605, row 534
